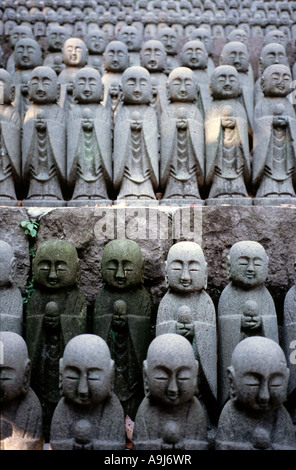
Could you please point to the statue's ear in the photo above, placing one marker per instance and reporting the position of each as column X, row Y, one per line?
column 61, row 369
column 12, row 93
column 27, row 377
column 230, row 376
column 145, row 379
column 112, row 377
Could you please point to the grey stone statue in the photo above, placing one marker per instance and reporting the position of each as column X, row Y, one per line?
column 20, row 409
column 194, row 56
column 188, row 310
column 170, row 416
column 55, row 313
column 204, row 35
column 135, row 147
column 44, row 142
column 182, row 140
column 89, row 415
column 228, row 166
column 274, row 139
column 10, row 142
column 96, row 42
column 289, row 344
column 240, row 35
column 169, row 39
column 122, row 318
column 236, row 54
column 255, row 417
column 247, row 266
column 89, row 141
column 11, row 302
column 132, row 37
column 75, row 56
column 19, row 32
column 115, row 62
column 56, row 37
column 27, row 56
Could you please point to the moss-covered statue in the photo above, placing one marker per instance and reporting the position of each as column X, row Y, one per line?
column 122, row 317
column 56, row 312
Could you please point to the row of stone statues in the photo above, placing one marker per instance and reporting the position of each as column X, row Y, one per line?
column 79, row 17
column 57, row 312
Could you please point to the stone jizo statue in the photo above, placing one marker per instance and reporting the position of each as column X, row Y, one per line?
column 170, row 416
column 115, row 62
column 56, row 37
column 132, row 37
column 20, row 409
column 96, row 42
column 11, row 302
column 89, row 415
column 255, row 417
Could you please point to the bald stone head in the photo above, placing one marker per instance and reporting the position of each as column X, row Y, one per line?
column 88, row 87
column 7, row 264
column 275, row 35
column 236, row 54
column 130, row 36
column 15, row 366
column 238, row 35
column 225, row 83
column 56, row 265
column 115, row 57
column 75, row 52
column 203, row 35
column 258, row 374
column 96, row 41
column 86, row 370
column 194, row 55
column 169, row 39
column 136, row 85
column 8, row 89
column 276, row 81
column 153, row 56
column 170, row 370
column 247, row 264
column 27, row 54
column 20, row 32
column 122, row 264
column 272, row 53
column 43, row 85
column 182, row 85
column 56, row 37
column 186, row 268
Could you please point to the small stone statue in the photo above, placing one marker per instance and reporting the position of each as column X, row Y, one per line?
column 75, row 56
column 55, row 313
column 56, row 37
column 170, row 416
column 131, row 36
column 255, row 417
column 274, row 139
column 289, row 344
column 10, row 142
column 27, row 56
column 19, row 32
column 153, row 58
column 122, row 318
column 96, row 42
column 194, row 56
column 186, row 274
column 228, row 167
column 11, row 302
column 169, row 39
column 20, row 409
column 115, row 62
column 204, row 35
column 182, row 140
column 236, row 54
column 44, row 142
column 89, row 141
column 89, row 415
column 247, row 265
column 135, row 155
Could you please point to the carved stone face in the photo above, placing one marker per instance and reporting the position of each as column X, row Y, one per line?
column 136, row 86
column 116, row 57
column 153, row 56
column 7, row 263
column 56, row 265
column 75, row 52
column 247, row 264
column 168, row 38
column 275, row 36
column 86, row 370
column 186, row 268
column 6, row 87
column 131, row 37
column 19, row 32
column 56, row 38
column 96, row 42
column 27, row 54
column 272, row 54
column 259, row 374
column 235, row 54
column 203, row 35
column 88, row 86
column 43, row 85
column 122, row 264
column 170, row 371
column 238, row 35
column 276, row 81
column 225, row 82
column 15, row 368
column 181, row 85
column 194, row 55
